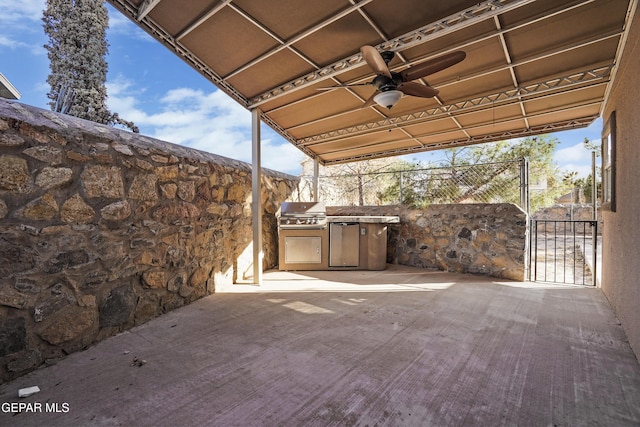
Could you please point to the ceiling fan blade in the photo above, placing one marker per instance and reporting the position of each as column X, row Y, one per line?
column 432, row 66
column 369, row 102
column 373, row 58
column 416, row 89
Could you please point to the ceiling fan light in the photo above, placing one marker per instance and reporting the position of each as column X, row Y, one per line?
column 388, row 98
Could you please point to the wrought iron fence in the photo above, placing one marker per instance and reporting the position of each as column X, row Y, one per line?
column 563, row 251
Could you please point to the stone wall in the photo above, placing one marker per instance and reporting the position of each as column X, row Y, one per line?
column 568, row 212
column 102, row 229
column 486, row 239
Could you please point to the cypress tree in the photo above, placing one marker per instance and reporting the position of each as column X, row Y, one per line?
column 77, row 49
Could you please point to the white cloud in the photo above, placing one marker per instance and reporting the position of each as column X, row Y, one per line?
column 10, row 43
column 22, row 26
column 17, row 12
column 574, row 158
column 211, row 122
column 283, row 157
column 119, row 24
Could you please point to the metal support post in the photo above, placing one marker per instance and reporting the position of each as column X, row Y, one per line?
column 256, row 202
column 524, row 184
column 594, row 225
column 316, row 178
column 594, row 187
column 594, row 253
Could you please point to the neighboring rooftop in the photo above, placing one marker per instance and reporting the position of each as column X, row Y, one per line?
column 7, row 90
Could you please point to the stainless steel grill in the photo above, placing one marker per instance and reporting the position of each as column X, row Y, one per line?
column 303, row 236
column 302, row 215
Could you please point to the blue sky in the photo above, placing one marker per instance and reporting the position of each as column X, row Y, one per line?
column 168, row 100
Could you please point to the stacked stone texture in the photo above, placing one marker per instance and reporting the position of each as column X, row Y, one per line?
column 102, row 229
column 486, row 239
column 563, row 212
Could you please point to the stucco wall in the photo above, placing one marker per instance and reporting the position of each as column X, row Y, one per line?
column 102, row 229
column 621, row 236
column 486, row 239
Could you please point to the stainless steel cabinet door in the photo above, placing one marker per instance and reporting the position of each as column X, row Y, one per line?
column 344, row 245
column 303, row 250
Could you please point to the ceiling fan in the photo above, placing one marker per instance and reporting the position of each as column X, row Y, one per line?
column 390, row 86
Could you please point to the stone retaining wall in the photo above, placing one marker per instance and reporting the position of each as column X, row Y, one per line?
column 102, row 229
column 570, row 212
column 486, row 239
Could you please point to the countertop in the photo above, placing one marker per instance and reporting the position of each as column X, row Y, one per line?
column 371, row 219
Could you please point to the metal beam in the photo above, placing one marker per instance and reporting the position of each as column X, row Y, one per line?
column 411, row 39
column 480, row 12
column 557, row 50
column 256, row 199
column 592, row 76
column 146, row 7
column 500, row 136
column 288, row 43
column 509, row 61
column 170, row 42
column 593, row 103
column 202, row 19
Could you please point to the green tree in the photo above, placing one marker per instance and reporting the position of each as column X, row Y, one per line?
column 400, row 187
column 586, row 184
column 483, row 173
column 570, row 181
column 77, row 48
column 594, row 146
column 356, row 183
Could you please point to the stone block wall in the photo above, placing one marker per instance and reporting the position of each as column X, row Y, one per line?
column 102, row 229
column 486, row 239
column 568, row 212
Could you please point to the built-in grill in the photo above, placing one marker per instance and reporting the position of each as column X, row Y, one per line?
column 309, row 240
column 302, row 215
column 303, row 236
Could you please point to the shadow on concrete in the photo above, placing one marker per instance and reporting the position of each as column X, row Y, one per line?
column 399, row 347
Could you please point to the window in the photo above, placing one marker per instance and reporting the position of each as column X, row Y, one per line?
column 609, row 164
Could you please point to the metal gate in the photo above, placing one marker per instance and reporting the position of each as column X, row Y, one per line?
column 563, row 251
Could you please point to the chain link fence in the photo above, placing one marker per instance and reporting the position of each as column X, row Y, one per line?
column 503, row 182
column 515, row 182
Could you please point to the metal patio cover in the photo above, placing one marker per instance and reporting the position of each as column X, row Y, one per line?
column 532, row 67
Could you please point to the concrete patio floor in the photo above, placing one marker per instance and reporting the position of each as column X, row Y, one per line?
column 401, row 347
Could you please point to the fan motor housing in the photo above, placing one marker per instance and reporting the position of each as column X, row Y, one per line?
column 384, row 83
column 387, row 55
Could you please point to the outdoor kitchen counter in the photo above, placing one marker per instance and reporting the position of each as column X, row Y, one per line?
column 359, row 241
column 366, row 219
